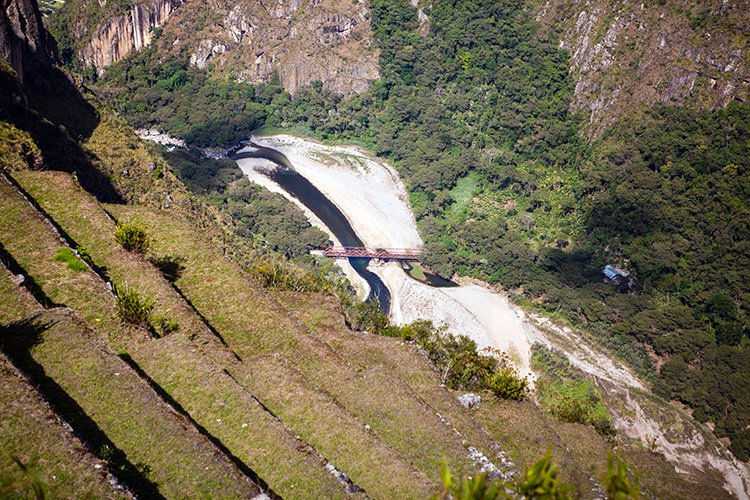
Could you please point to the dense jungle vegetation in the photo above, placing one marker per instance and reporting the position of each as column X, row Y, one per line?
column 474, row 113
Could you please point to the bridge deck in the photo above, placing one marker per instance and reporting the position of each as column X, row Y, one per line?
column 372, row 253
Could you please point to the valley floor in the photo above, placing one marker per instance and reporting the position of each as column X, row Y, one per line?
column 374, row 200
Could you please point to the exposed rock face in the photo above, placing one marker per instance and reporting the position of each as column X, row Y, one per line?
column 627, row 53
column 297, row 40
column 24, row 43
column 131, row 30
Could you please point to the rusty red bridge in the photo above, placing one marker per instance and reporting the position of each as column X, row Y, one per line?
column 372, row 253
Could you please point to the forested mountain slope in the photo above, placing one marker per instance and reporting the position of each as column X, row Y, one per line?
column 630, row 54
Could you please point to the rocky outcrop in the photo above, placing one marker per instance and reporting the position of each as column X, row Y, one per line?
column 131, row 30
column 298, row 41
column 24, row 43
column 628, row 54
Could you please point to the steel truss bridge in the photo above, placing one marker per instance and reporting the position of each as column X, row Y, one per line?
column 372, row 253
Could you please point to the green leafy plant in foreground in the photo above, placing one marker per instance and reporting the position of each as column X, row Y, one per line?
column 133, row 237
column 616, row 482
column 540, row 481
column 163, row 325
column 84, row 255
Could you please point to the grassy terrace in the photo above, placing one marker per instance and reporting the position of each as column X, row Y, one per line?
column 34, row 245
column 31, row 432
column 104, row 399
column 338, row 399
column 129, row 429
column 236, row 418
column 187, row 364
column 390, row 356
column 261, row 332
column 89, row 226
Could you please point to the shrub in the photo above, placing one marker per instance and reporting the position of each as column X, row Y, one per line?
column 273, row 271
column 506, row 384
column 133, row 237
column 17, row 148
column 67, row 255
column 567, row 393
column 131, row 307
column 366, row 316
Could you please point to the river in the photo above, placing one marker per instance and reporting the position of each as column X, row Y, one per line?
column 311, row 197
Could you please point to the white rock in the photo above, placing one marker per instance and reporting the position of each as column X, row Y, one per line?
column 470, row 400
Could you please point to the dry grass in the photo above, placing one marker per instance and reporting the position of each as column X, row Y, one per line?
column 34, row 244
column 231, row 414
column 346, row 398
column 34, row 249
column 254, row 325
column 87, row 223
column 30, row 431
column 527, row 434
column 83, row 370
column 399, row 360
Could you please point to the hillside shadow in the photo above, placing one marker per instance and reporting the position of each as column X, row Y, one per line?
column 572, row 269
column 16, row 342
column 59, row 119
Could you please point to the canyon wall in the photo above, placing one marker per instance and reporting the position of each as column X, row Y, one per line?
column 130, row 30
column 24, row 43
column 298, row 41
column 628, row 54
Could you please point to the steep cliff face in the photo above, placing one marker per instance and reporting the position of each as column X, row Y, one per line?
column 133, row 29
column 626, row 53
column 298, row 40
column 24, row 43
